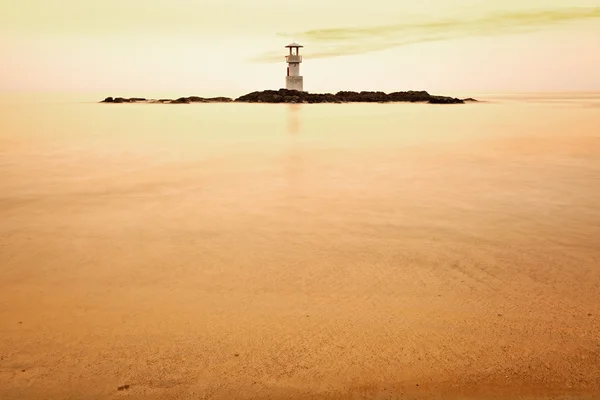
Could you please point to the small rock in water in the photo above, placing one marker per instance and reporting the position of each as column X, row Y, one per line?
column 236, row 354
column 124, row 387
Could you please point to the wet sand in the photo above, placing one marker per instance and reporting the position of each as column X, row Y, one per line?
column 323, row 252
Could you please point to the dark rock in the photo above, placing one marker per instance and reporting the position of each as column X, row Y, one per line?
column 219, row 100
column 124, row 387
column 470, row 99
column 410, row 96
column 444, row 100
column 123, row 100
column 346, row 96
column 197, row 99
column 181, row 100
column 296, row 97
column 373, row 97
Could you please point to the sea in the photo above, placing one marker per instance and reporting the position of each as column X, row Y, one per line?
column 323, row 251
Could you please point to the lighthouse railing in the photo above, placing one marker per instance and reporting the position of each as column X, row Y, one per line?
column 293, row 59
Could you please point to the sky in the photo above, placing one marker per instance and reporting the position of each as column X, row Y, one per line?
column 226, row 47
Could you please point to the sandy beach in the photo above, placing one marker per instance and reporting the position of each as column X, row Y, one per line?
column 398, row 251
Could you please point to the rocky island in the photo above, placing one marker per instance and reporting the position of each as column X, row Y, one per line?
column 297, row 97
column 181, row 100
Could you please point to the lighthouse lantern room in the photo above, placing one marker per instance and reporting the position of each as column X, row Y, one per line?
column 293, row 80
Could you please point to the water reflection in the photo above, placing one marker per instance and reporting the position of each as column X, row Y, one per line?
column 293, row 119
column 293, row 166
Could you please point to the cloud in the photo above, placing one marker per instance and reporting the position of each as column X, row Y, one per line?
column 336, row 42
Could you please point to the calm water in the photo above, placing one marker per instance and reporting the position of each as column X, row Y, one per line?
column 322, row 250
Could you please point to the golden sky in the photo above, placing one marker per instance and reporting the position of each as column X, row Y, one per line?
column 230, row 47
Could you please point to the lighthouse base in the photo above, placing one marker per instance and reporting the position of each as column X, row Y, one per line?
column 294, row 83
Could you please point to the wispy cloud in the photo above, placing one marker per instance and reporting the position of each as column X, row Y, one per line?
column 336, row 42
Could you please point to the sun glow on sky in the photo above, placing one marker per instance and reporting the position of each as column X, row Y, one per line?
column 229, row 47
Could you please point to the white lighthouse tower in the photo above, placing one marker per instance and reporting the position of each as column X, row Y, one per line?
column 293, row 80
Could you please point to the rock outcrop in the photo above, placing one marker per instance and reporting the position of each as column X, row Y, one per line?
column 181, row 100
column 287, row 96
column 196, row 99
column 294, row 96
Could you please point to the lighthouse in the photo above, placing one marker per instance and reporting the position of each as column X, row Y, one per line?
column 293, row 80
